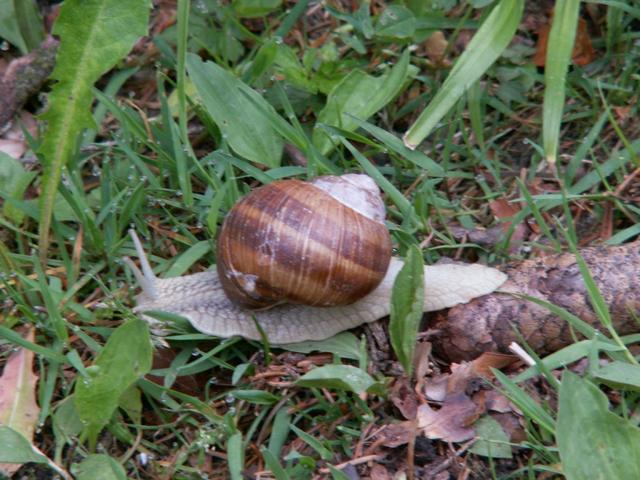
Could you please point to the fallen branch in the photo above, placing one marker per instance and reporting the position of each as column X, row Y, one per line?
column 24, row 77
column 488, row 323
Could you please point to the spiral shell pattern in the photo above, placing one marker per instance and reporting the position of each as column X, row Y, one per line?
column 292, row 242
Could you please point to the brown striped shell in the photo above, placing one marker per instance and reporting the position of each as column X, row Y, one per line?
column 297, row 242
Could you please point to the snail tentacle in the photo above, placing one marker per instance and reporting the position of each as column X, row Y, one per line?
column 201, row 300
column 146, row 278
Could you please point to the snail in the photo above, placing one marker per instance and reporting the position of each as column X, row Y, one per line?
column 288, row 231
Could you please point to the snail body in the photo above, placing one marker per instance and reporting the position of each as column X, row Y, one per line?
column 352, row 271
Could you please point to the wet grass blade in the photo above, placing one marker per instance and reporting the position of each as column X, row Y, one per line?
column 184, row 152
column 486, row 46
column 407, row 300
column 561, row 38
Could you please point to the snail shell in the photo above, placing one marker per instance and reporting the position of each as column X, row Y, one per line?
column 318, row 243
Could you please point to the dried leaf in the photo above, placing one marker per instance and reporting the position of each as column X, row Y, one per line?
column 435, row 47
column 622, row 113
column 379, row 472
column 395, row 434
column 502, row 208
column 504, row 211
column 404, row 398
column 582, row 54
column 497, row 402
column 421, row 364
column 18, row 407
column 12, row 142
column 464, row 375
column 451, row 422
column 512, row 425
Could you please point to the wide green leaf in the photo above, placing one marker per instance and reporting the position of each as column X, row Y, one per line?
column 14, row 180
column 341, row 377
column 99, row 467
column 561, row 39
column 620, row 375
column 594, row 442
column 483, row 50
column 491, row 439
column 396, row 21
column 14, row 448
column 229, row 102
column 359, row 95
column 94, row 35
column 125, row 358
column 344, row 345
column 9, row 28
column 255, row 8
column 407, row 299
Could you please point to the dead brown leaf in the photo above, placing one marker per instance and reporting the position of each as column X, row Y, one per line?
column 510, row 423
column 504, row 211
column 465, row 376
column 379, row 472
column 622, row 113
column 12, row 142
column 450, row 423
column 496, row 401
column 395, row 434
column 18, row 407
column 435, row 48
column 583, row 52
column 404, row 398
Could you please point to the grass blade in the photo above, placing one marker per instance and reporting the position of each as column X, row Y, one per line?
column 525, row 403
column 561, row 37
column 486, row 46
column 185, row 151
column 407, row 299
column 28, row 18
column 235, row 456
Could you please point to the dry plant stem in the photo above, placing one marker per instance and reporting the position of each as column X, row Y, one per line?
column 488, row 323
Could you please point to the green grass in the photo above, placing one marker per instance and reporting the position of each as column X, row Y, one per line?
column 172, row 166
